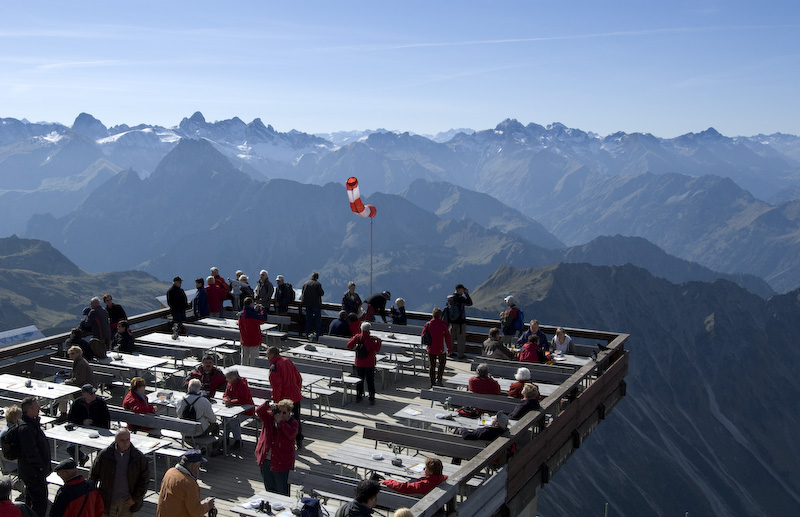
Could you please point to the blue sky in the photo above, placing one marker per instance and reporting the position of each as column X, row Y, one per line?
column 661, row 67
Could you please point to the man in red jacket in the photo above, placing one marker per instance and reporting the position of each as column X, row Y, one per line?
column 286, row 383
column 250, row 335
column 77, row 498
column 482, row 383
column 237, row 393
column 365, row 347
column 211, row 377
column 433, row 477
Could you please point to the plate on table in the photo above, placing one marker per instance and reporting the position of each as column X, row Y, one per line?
column 94, row 434
column 277, row 506
column 377, row 456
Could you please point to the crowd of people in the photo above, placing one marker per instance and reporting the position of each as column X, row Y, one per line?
column 118, row 478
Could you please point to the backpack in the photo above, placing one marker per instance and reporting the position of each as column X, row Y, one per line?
column 189, row 412
column 291, row 292
column 10, row 443
column 427, row 339
column 361, row 350
column 468, row 411
column 519, row 323
column 311, row 507
column 452, row 313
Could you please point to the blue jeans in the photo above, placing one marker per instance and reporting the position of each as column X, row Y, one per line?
column 277, row 482
column 314, row 318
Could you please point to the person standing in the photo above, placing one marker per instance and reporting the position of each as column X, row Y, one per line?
column 215, row 296
column 509, row 323
column 177, row 302
column 455, row 313
column 77, row 497
column 284, row 295
column 97, row 323
column 34, row 459
column 437, row 353
column 365, row 347
column 275, row 452
column 264, row 290
column 180, row 494
column 311, row 299
column 351, row 301
column 200, row 301
column 122, row 475
column 250, row 335
column 223, row 285
column 286, row 383
column 376, row 304
column 115, row 312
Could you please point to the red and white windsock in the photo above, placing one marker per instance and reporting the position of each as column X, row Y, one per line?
column 356, row 205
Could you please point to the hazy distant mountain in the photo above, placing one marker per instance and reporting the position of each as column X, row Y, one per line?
column 788, row 145
column 682, row 440
column 446, row 136
column 40, row 286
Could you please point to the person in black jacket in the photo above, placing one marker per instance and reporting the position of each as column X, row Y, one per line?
column 455, row 314
column 489, row 432
column 366, row 497
column 340, row 326
column 34, row 460
column 177, row 302
column 115, row 312
column 530, row 401
column 376, row 304
column 130, row 489
column 88, row 409
column 123, row 339
column 284, row 295
column 311, row 299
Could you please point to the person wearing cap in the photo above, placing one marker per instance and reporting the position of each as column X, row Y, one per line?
column 351, row 301
column 456, row 316
column 508, row 319
column 177, row 301
column 481, row 382
column 264, row 290
column 122, row 475
column 180, row 494
column 433, row 477
column 34, row 460
column 237, row 393
column 366, row 498
column 96, row 322
column 284, row 295
column 250, row 337
column 7, row 507
column 376, row 304
column 200, row 300
column 88, row 409
column 366, row 347
column 275, row 449
column 522, row 376
column 311, row 299
column 76, row 497
column 286, row 382
column 490, row 432
column 340, row 326
column 533, row 328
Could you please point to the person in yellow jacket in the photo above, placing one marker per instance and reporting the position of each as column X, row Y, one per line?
column 180, row 493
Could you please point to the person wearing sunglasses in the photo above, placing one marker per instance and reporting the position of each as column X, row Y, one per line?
column 275, row 449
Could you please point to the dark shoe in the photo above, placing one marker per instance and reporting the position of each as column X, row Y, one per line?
column 235, row 444
column 371, row 402
column 299, row 445
column 453, row 354
column 84, row 459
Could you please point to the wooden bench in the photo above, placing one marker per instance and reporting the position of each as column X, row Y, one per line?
column 101, row 379
column 335, row 373
column 30, row 356
column 176, row 428
column 491, row 403
column 436, row 442
column 553, row 374
column 342, row 488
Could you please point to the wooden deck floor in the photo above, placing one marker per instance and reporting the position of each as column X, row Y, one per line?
column 236, row 477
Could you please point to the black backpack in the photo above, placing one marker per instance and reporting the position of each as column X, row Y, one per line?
column 10, row 443
column 452, row 313
column 361, row 350
column 189, row 412
column 291, row 292
column 311, row 507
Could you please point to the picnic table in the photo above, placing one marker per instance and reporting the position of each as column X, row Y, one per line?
column 230, row 323
column 340, row 356
column 461, row 380
column 191, row 342
column 41, row 389
column 136, row 363
column 250, row 505
column 428, row 416
column 409, row 341
column 360, row 457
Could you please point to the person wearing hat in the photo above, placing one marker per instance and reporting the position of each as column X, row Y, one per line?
column 177, row 302
column 376, row 304
column 122, row 475
column 284, row 295
column 88, row 409
column 508, row 320
column 455, row 314
column 365, row 347
column 490, row 432
column 34, row 460
column 77, row 497
column 180, row 494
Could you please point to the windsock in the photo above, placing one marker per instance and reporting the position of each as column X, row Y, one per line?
column 356, row 205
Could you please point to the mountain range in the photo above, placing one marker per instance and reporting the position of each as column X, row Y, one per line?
column 708, row 423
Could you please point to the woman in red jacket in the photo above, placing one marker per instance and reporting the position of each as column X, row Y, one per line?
column 530, row 350
column 275, row 446
column 237, row 393
column 250, row 321
column 433, row 478
column 136, row 401
column 440, row 334
column 365, row 347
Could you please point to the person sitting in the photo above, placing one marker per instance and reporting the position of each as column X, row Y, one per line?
column 562, row 342
column 530, row 350
column 433, row 477
column 494, row 348
column 530, row 401
column 354, row 323
column 340, row 326
column 496, row 428
column 211, row 378
column 81, row 369
column 123, row 339
column 515, row 390
column 366, row 498
column 75, row 339
column 203, row 412
column 482, row 383
column 237, row 393
column 77, row 497
column 399, row 312
column 88, row 410
column 533, row 328
column 136, row 401
column 7, row 506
